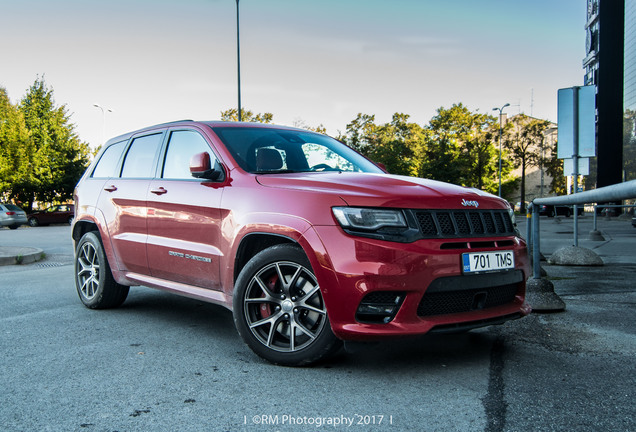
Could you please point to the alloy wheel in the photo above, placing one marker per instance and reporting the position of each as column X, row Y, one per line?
column 283, row 307
column 88, row 271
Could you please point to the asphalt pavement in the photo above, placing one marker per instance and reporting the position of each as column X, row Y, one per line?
column 564, row 371
column 586, row 352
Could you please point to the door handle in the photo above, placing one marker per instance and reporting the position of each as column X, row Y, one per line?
column 159, row 191
column 111, row 188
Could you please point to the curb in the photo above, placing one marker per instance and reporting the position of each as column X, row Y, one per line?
column 19, row 255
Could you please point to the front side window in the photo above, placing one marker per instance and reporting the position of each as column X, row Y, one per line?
column 107, row 164
column 181, row 147
column 140, row 159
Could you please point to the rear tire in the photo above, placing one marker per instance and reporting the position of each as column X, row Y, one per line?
column 94, row 281
column 279, row 310
column 33, row 222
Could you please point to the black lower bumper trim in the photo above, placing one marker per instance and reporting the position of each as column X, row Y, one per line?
column 465, row 326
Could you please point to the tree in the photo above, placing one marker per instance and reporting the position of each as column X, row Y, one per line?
column 246, row 116
column 360, row 133
column 483, row 158
column 298, row 123
column 56, row 158
column 461, row 149
column 523, row 136
column 15, row 148
column 457, row 146
column 444, row 159
column 397, row 144
column 554, row 168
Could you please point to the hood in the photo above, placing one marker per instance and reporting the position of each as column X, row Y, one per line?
column 385, row 190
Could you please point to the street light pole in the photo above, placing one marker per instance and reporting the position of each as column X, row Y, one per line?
column 238, row 60
column 500, row 132
column 104, row 110
column 548, row 133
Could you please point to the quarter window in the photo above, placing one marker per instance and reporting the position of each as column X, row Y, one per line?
column 108, row 162
column 140, row 159
column 182, row 146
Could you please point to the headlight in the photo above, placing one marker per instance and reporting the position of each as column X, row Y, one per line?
column 513, row 218
column 368, row 218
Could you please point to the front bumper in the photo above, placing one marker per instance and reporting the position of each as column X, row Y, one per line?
column 423, row 279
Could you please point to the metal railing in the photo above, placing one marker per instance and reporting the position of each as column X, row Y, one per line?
column 617, row 192
column 607, row 206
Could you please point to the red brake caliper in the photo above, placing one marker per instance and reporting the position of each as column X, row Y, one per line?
column 266, row 308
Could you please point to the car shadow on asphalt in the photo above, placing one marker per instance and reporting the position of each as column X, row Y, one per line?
column 207, row 320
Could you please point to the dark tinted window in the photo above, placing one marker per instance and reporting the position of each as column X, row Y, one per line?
column 108, row 162
column 181, row 147
column 140, row 159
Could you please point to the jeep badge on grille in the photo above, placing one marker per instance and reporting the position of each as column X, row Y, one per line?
column 470, row 203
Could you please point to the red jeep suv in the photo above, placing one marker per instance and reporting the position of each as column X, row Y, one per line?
column 305, row 240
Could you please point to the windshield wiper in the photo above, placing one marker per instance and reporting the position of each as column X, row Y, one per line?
column 280, row 171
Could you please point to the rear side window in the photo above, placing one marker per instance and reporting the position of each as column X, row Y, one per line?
column 108, row 162
column 11, row 207
column 181, row 147
column 140, row 159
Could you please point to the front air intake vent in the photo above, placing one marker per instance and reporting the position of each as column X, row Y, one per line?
column 379, row 307
column 458, row 294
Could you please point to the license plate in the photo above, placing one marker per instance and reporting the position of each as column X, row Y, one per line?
column 487, row 261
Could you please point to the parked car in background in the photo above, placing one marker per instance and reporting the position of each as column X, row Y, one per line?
column 306, row 241
column 58, row 214
column 559, row 210
column 12, row 216
column 634, row 221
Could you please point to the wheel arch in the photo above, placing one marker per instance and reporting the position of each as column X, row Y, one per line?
column 82, row 227
column 254, row 243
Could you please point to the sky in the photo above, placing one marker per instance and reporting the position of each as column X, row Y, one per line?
column 307, row 62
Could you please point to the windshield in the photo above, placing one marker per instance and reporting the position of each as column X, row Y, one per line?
column 266, row 151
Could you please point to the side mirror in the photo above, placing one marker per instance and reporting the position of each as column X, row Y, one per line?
column 201, row 167
column 381, row 166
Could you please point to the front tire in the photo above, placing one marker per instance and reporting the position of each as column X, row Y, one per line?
column 94, row 281
column 279, row 310
column 34, row 222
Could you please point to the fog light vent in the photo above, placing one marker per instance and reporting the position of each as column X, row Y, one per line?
column 379, row 307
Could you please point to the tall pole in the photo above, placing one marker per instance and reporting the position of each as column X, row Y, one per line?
column 575, row 160
column 548, row 133
column 238, row 60
column 103, row 120
column 500, row 133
